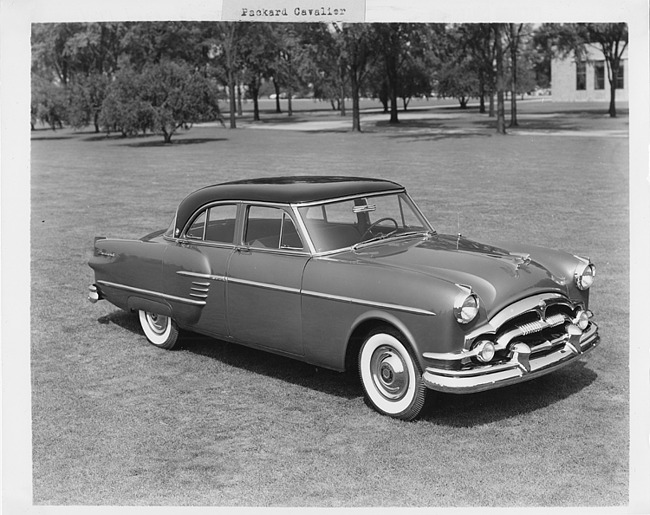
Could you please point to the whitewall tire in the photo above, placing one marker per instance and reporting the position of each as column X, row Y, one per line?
column 391, row 378
column 160, row 330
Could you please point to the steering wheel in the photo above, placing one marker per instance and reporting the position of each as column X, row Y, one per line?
column 376, row 223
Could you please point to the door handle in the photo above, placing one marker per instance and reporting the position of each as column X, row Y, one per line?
column 243, row 250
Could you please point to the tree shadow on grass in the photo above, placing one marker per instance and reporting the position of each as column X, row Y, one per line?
column 49, row 138
column 174, row 142
column 441, row 409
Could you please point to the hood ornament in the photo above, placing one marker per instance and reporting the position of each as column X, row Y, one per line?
column 521, row 259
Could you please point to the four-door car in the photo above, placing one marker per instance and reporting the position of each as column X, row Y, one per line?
column 347, row 273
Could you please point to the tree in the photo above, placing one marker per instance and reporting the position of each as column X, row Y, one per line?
column 231, row 53
column 124, row 110
column 258, row 49
column 405, row 63
column 85, row 98
column 500, row 82
column 80, row 58
column 163, row 97
column 356, row 56
column 458, row 80
column 324, row 66
column 476, row 43
column 514, row 38
column 48, row 103
column 612, row 39
column 543, row 50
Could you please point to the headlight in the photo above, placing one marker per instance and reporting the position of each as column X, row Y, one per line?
column 584, row 275
column 466, row 306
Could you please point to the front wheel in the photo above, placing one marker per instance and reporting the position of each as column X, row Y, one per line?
column 160, row 330
column 390, row 377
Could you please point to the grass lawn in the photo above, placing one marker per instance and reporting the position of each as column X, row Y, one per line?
column 119, row 422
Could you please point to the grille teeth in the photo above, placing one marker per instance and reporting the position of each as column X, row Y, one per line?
column 540, row 325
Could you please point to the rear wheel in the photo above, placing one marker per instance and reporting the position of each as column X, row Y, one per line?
column 160, row 330
column 390, row 376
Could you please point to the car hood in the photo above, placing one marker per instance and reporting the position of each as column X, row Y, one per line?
column 497, row 275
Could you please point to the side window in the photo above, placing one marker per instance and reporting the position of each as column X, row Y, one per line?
column 195, row 232
column 271, row 228
column 220, row 225
column 581, row 75
column 289, row 238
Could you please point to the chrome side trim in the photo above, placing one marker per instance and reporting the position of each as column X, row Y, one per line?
column 383, row 305
column 288, row 289
column 202, row 276
column 303, row 230
column 266, row 286
column 153, row 293
column 350, row 197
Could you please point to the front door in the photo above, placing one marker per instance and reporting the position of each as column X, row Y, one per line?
column 265, row 280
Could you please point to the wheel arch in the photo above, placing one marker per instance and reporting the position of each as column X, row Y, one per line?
column 362, row 327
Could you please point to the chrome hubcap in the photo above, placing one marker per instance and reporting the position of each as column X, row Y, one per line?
column 389, row 373
column 158, row 323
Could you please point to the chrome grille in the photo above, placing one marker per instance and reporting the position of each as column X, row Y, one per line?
column 539, row 322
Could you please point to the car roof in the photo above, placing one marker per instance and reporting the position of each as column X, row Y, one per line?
column 282, row 190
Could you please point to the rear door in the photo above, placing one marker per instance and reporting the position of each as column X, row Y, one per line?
column 195, row 269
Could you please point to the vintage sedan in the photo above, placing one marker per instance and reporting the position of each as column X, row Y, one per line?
column 347, row 273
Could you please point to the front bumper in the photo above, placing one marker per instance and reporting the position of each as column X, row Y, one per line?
column 519, row 367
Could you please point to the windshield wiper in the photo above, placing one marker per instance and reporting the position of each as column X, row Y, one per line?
column 370, row 240
column 392, row 234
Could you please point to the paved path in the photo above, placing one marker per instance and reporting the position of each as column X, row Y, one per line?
column 442, row 120
column 440, row 123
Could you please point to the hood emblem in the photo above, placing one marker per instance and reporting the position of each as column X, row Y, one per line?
column 521, row 259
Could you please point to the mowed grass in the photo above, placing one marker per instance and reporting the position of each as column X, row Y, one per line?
column 119, row 422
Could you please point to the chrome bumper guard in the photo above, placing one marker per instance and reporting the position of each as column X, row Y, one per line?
column 94, row 294
column 519, row 367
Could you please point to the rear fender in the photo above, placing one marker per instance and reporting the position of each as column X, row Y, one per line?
column 152, row 306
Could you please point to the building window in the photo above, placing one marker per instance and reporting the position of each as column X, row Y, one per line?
column 599, row 75
column 620, row 77
column 581, row 75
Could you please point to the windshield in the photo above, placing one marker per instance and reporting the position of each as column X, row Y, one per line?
column 354, row 222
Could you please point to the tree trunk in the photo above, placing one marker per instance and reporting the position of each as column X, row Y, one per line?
column 276, row 86
column 612, row 101
column 289, row 105
column 513, row 57
column 392, row 90
column 240, row 110
column 254, row 90
column 233, row 100
column 613, row 75
column 356, row 115
column 501, row 111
